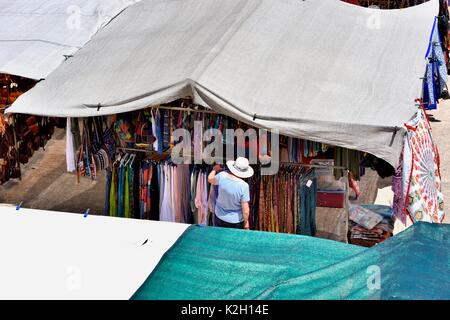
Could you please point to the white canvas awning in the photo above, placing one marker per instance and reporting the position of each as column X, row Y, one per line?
column 322, row 70
column 35, row 35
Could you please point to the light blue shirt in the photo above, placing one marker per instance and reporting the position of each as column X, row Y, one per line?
column 231, row 194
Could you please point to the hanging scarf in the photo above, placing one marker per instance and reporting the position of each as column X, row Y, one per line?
column 424, row 199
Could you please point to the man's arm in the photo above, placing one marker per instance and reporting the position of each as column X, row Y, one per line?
column 212, row 176
column 246, row 214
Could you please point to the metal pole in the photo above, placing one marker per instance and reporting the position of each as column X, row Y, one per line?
column 294, row 164
column 183, row 109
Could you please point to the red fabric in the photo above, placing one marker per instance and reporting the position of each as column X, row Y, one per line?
column 356, row 2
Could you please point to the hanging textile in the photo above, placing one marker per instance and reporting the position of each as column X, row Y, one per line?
column 285, row 202
column 108, row 179
column 399, row 199
column 145, row 184
column 70, row 154
column 145, row 195
column 142, row 189
column 308, row 192
column 443, row 27
column 97, row 149
column 424, row 198
column 175, row 191
column 297, row 150
column 201, row 198
column 154, row 192
column 436, row 75
column 165, row 210
column 349, row 159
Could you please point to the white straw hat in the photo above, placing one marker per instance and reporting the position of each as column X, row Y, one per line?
column 240, row 168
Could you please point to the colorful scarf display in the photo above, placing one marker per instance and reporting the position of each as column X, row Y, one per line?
column 421, row 173
column 285, row 202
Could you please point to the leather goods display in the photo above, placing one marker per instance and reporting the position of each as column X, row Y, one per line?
column 22, row 135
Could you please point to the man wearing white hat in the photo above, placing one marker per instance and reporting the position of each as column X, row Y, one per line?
column 232, row 205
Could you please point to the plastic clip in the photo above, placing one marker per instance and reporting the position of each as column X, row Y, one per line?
column 396, row 129
column 19, row 206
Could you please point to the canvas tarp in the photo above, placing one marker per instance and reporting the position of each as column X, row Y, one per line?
column 217, row 263
column 322, row 70
column 57, row 255
column 35, row 35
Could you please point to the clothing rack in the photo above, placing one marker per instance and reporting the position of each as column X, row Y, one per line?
column 286, row 164
column 214, row 112
column 137, row 150
column 312, row 165
column 294, row 164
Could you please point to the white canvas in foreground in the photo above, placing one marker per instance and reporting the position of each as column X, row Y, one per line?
column 54, row 255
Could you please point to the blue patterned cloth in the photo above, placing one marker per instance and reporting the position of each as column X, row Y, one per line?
column 436, row 71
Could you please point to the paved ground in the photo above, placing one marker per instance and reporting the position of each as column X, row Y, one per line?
column 46, row 184
column 333, row 223
column 441, row 135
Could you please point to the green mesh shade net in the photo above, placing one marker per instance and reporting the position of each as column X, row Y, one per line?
column 219, row 263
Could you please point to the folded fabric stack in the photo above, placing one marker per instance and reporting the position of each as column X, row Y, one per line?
column 362, row 236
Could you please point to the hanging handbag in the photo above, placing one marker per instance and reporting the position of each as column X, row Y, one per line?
column 36, row 143
column 98, row 141
column 23, row 152
column 44, row 132
column 32, row 124
column 81, row 170
column 14, row 165
column 109, row 143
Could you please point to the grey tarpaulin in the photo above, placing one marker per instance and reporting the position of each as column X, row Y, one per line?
column 35, row 35
column 318, row 69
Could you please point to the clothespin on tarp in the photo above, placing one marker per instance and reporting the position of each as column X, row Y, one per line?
column 394, row 133
column 19, row 206
column 86, row 213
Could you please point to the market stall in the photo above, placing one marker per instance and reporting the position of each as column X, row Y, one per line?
column 234, row 63
column 276, row 78
column 147, row 177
